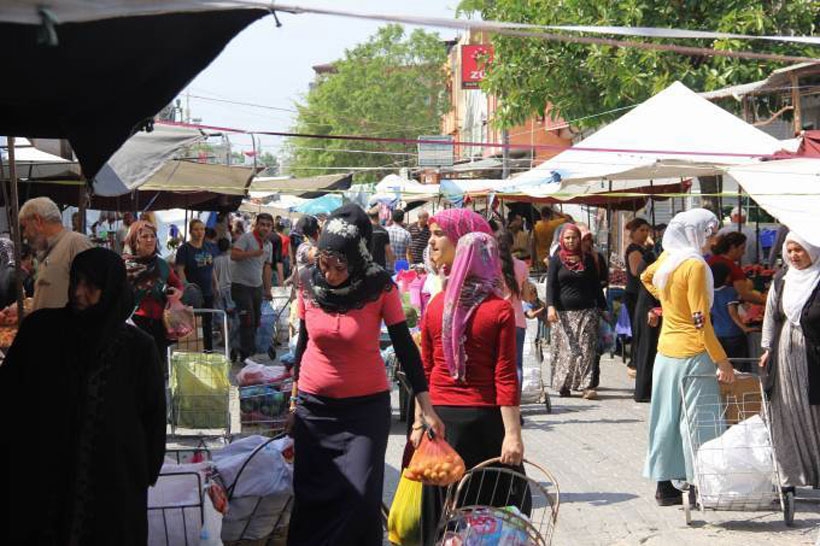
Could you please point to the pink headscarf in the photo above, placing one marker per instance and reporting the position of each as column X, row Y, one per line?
column 456, row 223
column 476, row 274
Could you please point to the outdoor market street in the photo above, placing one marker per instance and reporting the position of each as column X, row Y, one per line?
column 596, row 451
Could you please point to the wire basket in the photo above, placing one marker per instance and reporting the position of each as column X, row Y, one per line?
column 495, row 504
column 264, row 408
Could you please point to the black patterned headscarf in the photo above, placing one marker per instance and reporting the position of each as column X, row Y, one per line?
column 346, row 235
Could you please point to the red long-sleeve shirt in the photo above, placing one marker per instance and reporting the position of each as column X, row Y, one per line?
column 491, row 377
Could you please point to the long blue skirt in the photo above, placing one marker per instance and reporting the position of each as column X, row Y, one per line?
column 668, row 456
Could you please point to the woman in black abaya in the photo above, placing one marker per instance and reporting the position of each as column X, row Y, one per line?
column 83, row 416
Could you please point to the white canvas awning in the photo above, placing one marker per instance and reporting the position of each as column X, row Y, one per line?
column 788, row 189
column 35, row 165
column 672, row 135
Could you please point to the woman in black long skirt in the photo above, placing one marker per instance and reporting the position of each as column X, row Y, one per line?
column 341, row 399
column 646, row 329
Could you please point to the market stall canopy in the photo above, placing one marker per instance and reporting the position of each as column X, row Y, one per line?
column 394, row 188
column 672, row 135
column 309, row 188
column 95, row 73
column 142, row 156
column 33, row 164
column 788, row 189
column 321, row 205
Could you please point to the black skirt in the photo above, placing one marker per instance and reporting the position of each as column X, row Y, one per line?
column 338, row 472
column 476, row 433
column 644, row 346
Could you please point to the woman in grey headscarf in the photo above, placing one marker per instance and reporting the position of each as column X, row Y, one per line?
column 791, row 339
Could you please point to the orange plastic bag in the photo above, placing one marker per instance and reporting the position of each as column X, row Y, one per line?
column 435, row 462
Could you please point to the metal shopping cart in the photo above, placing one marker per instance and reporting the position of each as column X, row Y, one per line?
column 728, row 437
column 264, row 408
column 199, row 384
column 179, row 503
column 495, row 504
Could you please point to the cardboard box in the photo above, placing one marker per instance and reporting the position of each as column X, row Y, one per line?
column 743, row 398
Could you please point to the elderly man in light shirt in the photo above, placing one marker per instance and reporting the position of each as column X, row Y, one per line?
column 42, row 226
column 754, row 252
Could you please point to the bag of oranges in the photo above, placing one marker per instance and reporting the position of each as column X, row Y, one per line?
column 435, row 462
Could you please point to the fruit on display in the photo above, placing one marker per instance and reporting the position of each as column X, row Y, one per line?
column 7, row 336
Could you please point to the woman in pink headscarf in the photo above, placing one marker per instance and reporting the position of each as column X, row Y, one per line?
column 469, row 357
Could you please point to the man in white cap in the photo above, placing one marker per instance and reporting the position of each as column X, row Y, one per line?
column 754, row 252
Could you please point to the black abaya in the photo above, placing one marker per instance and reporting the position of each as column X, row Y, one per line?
column 83, row 420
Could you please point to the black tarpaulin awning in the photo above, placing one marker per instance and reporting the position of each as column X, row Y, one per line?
column 104, row 77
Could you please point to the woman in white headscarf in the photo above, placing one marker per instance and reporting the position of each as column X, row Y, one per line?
column 683, row 283
column 791, row 340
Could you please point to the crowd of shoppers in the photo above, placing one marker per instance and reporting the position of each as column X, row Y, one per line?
column 466, row 378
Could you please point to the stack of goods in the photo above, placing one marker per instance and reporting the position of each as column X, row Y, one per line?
column 617, row 271
column 9, row 321
column 760, row 276
column 264, row 396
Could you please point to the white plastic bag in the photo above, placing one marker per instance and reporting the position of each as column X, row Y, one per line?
column 253, row 373
column 737, row 465
column 266, row 473
column 254, row 518
column 532, row 386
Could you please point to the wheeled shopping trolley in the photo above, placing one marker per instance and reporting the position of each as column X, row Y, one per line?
column 199, row 384
column 729, row 440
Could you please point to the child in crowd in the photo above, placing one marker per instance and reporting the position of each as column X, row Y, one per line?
column 223, row 300
column 729, row 328
column 534, row 308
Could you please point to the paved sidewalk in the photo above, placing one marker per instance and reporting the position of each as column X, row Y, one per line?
column 596, row 451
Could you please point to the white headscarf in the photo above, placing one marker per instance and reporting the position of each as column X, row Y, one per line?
column 684, row 239
column 798, row 284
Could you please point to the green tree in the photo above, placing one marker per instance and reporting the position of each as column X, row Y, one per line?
column 581, row 81
column 391, row 86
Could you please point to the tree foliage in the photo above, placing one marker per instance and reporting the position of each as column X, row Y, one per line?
column 391, row 86
column 581, row 81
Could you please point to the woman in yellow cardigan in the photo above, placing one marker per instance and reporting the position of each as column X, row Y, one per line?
column 682, row 281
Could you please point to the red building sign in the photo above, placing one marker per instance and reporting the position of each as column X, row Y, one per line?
column 474, row 60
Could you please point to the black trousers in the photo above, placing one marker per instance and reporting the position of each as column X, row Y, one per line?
column 338, row 474
column 248, row 300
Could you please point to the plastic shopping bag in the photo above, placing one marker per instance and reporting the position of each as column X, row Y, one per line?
column 739, row 464
column 606, row 337
column 435, row 462
column 178, row 319
column 200, row 387
column 404, row 520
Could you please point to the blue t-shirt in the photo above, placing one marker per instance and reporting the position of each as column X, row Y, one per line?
column 721, row 320
column 198, row 264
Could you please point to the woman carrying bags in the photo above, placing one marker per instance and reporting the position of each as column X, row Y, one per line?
column 341, row 399
column 468, row 347
column 575, row 302
column 153, row 282
column 682, row 281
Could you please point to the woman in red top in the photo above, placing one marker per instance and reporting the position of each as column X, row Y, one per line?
column 469, row 353
column 342, row 411
column 728, row 250
column 152, row 279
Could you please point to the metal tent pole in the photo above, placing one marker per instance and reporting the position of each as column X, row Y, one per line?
column 14, row 224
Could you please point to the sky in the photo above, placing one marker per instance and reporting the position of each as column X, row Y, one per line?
column 270, row 66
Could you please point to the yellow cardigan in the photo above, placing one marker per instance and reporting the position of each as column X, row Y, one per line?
column 685, row 295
